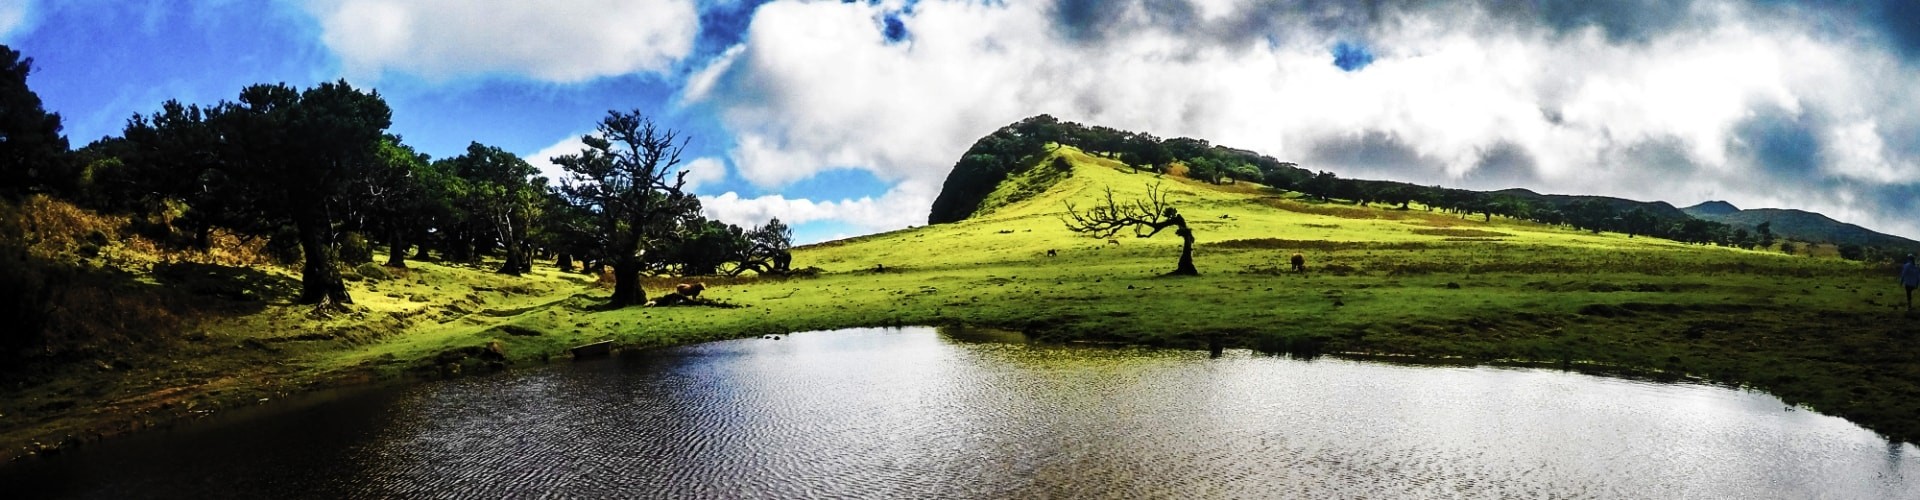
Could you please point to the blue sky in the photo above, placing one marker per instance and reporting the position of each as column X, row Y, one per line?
column 844, row 117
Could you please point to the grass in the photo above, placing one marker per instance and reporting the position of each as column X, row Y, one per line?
column 1405, row 285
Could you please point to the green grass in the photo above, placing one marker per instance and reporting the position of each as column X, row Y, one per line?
column 1404, row 285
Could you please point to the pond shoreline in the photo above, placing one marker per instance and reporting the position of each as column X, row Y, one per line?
column 914, row 409
column 104, row 426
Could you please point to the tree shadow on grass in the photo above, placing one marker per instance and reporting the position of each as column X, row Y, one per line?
column 240, row 289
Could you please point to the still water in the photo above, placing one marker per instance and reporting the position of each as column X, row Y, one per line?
column 917, row 412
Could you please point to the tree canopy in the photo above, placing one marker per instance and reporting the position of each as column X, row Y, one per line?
column 33, row 154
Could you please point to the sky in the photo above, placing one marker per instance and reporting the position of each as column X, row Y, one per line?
column 844, row 117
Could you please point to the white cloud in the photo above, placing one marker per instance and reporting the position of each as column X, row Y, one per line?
column 16, row 17
column 700, row 171
column 704, row 171
column 815, row 86
column 543, row 159
column 902, row 206
column 554, row 40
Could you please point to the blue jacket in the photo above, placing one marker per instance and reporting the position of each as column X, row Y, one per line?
column 1910, row 274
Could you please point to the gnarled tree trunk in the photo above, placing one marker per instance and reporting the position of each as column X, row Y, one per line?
column 397, row 250
column 626, row 283
column 319, row 279
column 1186, row 254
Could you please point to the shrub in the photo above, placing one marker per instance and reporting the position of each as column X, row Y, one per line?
column 369, row 270
column 355, row 250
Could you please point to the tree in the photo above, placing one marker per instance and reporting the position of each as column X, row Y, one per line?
column 699, row 248
column 1638, row 221
column 1202, row 169
column 1591, row 214
column 182, row 153
column 1146, row 150
column 1765, row 232
column 1243, row 172
column 566, row 229
column 622, row 178
column 299, row 150
column 1852, row 251
column 33, row 154
column 396, row 194
column 768, row 248
column 1741, row 238
column 1322, row 185
column 1154, row 212
column 502, row 196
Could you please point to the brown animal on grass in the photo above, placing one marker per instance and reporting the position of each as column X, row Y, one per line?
column 1299, row 262
column 689, row 290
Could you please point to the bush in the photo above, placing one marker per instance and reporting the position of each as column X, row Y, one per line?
column 355, row 250
column 370, row 271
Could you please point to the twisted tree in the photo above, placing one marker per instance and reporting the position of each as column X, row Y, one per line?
column 628, row 179
column 1153, row 212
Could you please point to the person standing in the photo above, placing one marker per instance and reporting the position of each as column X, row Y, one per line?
column 1910, row 278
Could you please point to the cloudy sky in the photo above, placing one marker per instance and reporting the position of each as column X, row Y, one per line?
column 844, row 117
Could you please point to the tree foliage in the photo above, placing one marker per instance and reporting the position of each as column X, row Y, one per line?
column 628, row 178
column 33, row 154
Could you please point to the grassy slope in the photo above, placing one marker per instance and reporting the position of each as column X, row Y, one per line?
column 1400, row 284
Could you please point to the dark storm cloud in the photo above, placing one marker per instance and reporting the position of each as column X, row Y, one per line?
column 1372, row 151
column 1903, row 200
column 1780, row 142
column 1621, row 22
column 1667, row 155
column 1502, row 166
column 1093, row 21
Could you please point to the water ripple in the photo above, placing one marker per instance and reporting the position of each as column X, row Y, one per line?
column 885, row 413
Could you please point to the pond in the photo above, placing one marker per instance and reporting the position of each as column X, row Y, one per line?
column 980, row 414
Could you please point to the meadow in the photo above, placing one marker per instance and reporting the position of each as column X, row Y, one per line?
column 1388, row 283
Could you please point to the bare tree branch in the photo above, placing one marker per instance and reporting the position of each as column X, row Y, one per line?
column 1108, row 219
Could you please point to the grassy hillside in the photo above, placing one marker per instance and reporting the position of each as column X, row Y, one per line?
column 1405, row 285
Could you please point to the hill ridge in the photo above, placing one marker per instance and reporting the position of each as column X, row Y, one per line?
column 1010, row 153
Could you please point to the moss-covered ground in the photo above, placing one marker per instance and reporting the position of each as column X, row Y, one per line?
column 1398, row 284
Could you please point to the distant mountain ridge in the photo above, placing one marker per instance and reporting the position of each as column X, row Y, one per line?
column 1797, row 224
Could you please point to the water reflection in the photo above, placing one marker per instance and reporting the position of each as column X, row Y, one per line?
column 972, row 413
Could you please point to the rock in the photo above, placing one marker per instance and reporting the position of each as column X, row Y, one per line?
column 416, row 298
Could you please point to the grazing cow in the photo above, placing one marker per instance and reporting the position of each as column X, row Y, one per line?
column 1052, row 253
column 1299, row 262
column 689, row 290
